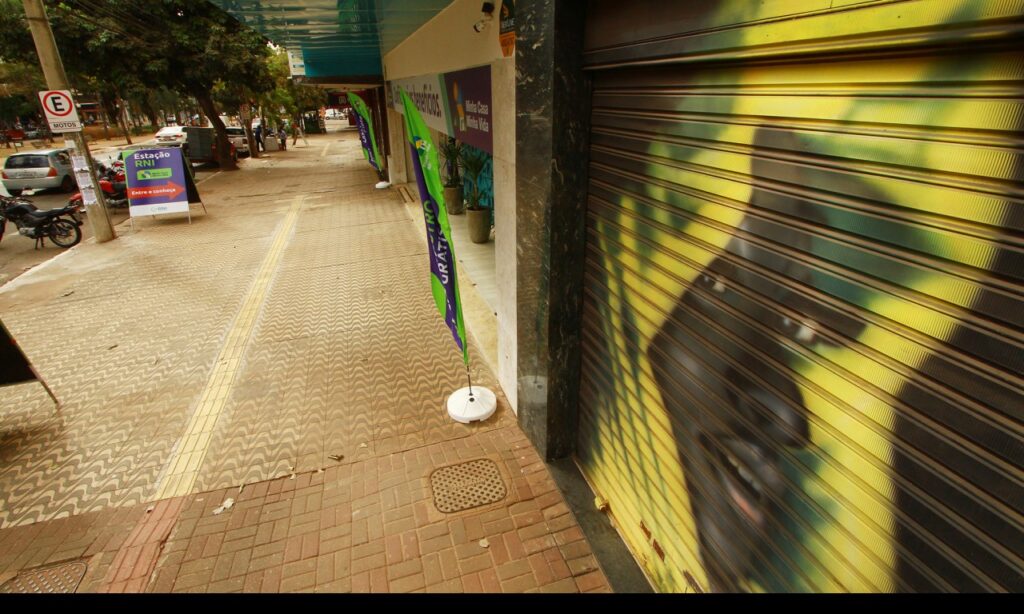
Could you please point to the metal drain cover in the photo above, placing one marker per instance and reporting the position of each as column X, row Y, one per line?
column 63, row 578
column 467, row 485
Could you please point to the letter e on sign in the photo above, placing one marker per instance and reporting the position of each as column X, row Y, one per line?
column 60, row 111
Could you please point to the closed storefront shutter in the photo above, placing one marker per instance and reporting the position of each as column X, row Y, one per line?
column 803, row 326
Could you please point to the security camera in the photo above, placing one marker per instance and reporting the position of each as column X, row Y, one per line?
column 488, row 10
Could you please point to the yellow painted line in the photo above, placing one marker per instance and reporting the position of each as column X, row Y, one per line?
column 324, row 152
column 182, row 469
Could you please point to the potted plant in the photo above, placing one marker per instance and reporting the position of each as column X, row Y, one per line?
column 452, row 152
column 478, row 217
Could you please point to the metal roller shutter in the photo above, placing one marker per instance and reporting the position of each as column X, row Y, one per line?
column 803, row 327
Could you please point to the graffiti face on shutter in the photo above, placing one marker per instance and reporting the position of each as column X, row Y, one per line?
column 802, row 365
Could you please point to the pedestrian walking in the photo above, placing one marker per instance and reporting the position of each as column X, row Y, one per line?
column 297, row 133
column 282, row 137
column 257, row 134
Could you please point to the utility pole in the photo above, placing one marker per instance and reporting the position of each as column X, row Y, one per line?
column 53, row 70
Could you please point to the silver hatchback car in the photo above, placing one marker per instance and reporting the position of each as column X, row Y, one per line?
column 38, row 170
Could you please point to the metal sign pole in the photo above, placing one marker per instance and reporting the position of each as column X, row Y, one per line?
column 53, row 70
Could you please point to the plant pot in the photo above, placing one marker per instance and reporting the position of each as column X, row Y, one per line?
column 479, row 223
column 453, row 200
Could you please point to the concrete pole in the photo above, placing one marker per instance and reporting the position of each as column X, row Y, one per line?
column 53, row 70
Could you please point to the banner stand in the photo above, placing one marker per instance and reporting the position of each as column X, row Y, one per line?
column 160, row 181
column 39, row 377
column 467, row 405
column 16, row 368
column 189, row 213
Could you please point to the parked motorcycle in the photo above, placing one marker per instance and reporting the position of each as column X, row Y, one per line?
column 62, row 226
column 115, row 190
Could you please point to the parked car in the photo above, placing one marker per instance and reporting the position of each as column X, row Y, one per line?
column 172, row 135
column 38, row 170
column 236, row 134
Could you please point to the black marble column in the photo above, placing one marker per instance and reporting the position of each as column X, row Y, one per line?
column 552, row 141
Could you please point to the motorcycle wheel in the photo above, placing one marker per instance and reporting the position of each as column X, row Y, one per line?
column 64, row 233
column 67, row 185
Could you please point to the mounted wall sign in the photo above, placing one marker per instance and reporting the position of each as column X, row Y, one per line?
column 456, row 103
column 507, row 30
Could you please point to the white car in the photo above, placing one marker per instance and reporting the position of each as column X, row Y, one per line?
column 38, row 170
column 236, row 134
column 171, row 135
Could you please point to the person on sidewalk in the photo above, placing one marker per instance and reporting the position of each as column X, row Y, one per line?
column 282, row 137
column 297, row 133
column 257, row 134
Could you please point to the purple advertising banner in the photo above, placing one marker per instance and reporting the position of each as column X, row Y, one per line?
column 469, row 103
column 156, row 182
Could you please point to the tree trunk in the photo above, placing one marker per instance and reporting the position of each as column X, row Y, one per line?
column 109, row 113
column 223, row 145
column 147, row 107
column 123, row 121
column 245, row 114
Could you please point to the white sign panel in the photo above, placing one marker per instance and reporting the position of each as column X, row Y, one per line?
column 296, row 64
column 428, row 95
column 60, row 111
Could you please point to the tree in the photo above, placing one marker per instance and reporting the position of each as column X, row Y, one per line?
column 189, row 46
column 287, row 98
column 19, row 83
column 205, row 49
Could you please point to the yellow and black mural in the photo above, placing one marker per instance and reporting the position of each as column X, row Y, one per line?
column 803, row 327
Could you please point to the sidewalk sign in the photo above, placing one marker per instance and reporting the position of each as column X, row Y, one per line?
column 159, row 181
column 60, row 111
column 466, row 404
column 15, row 367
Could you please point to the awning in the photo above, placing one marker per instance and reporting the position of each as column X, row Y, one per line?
column 341, row 41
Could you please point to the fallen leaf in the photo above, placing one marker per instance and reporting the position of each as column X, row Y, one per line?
column 484, row 543
column 224, row 506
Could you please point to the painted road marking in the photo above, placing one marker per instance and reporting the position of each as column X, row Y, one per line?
column 182, row 469
column 324, row 152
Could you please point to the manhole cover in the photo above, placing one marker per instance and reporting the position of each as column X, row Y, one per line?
column 62, row 578
column 467, row 485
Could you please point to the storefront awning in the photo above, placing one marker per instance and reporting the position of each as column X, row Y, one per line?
column 341, row 41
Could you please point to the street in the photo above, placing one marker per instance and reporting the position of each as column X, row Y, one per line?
column 19, row 254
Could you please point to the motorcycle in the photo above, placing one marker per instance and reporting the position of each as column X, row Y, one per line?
column 112, row 182
column 39, row 225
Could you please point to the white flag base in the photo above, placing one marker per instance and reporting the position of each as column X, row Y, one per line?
column 466, row 408
column 382, row 184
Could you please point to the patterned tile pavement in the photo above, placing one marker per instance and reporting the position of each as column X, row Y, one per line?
column 331, row 426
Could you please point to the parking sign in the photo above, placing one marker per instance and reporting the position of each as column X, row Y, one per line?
column 60, row 111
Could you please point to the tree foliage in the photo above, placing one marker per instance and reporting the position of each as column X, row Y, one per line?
column 287, row 99
column 130, row 50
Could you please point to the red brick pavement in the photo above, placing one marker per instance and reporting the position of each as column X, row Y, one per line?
column 367, row 526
